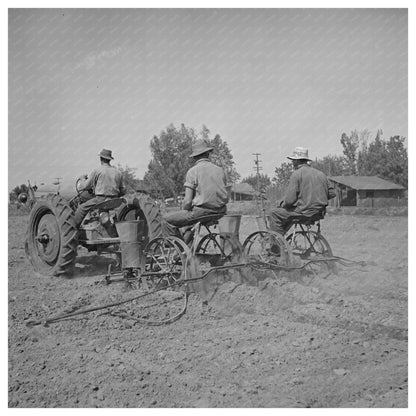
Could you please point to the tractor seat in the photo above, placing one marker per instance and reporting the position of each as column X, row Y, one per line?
column 209, row 220
column 305, row 220
column 109, row 204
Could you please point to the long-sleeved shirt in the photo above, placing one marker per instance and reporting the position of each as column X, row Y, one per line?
column 309, row 191
column 105, row 181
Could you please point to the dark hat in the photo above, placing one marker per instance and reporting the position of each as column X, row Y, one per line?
column 106, row 154
column 200, row 147
column 300, row 153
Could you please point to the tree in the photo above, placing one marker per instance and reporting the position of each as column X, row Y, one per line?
column 276, row 191
column 170, row 158
column 332, row 165
column 129, row 178
column 397, row 165
column 221, row 155
column 283, row 173
column 387, row 159
column 264, row 181
column 350, row 146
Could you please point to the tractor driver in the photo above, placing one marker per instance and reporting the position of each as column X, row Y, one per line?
column 106, row 182
column 205, row 189
column 307, row 194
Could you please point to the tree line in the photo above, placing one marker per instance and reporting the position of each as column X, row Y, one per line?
column 361, row 155
column 170, row 151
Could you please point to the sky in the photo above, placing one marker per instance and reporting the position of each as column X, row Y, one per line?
column 265, row 80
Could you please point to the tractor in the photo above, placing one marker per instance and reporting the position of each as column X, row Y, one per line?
column 52, row 238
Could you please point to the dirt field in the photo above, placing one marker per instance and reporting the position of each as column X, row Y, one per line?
column 339, row 341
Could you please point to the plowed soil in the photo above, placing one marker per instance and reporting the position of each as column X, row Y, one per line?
column 279, row 341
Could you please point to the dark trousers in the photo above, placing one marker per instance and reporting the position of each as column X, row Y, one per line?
column 83, row 208
column 183, row 218
column 281, row 219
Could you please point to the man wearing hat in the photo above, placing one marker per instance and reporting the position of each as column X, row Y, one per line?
column 205, row 189
column 105, row 182
column 307, row 194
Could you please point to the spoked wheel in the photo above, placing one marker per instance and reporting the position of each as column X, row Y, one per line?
column 267, row 247
column 166, row 265
column 166, row 262
column 218, row 250
column 51, row 239
column 212, row 251
column 312, row 249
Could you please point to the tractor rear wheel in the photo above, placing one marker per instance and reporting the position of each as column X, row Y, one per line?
column 51, row 237
column 143, row 207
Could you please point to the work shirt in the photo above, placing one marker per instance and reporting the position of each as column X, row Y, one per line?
column 208, row 181
column 309, row 191
column 105, row 181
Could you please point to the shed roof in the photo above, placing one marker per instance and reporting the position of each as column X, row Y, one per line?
column 243, row 188
column 365, row 183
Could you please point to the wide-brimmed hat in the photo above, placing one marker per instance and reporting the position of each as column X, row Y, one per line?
column 200, row 147
column 106, row 154
column 300, row 153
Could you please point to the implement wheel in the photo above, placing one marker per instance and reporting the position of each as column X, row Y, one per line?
column 219, row 249
column 267, row 247
column 310, row 246
column 166, row 262
column 51, row 238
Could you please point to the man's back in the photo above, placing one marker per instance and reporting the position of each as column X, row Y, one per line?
column 309, row 189
column 208, row 181
column 108, row 181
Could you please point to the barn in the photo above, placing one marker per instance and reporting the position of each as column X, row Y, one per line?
column 366, row 191
column 242, row 192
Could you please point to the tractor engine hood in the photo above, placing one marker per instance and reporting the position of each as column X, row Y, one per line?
column 65, row 188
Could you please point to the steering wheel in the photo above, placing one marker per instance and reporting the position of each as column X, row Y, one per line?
column 78, row 189
column 78, row 185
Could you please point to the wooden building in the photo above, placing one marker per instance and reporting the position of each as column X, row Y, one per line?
column 366, row 191
column 242, row 192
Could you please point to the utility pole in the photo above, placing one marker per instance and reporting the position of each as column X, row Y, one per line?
column 258, row 168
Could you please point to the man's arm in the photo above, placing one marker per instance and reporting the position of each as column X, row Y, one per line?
column 89, row 183
column 227, row 184
column 191, row 183
column 292, row 191
column 189, row 196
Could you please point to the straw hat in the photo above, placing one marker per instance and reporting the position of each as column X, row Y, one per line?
column 299, row 153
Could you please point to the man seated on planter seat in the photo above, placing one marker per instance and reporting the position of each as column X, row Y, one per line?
column 307, row 194
column 205, row 189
